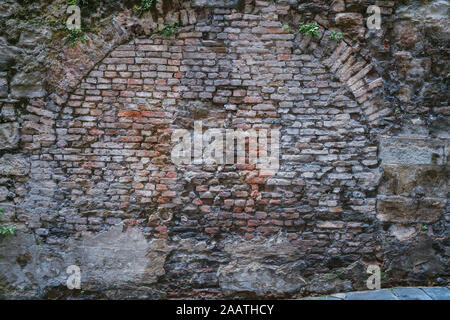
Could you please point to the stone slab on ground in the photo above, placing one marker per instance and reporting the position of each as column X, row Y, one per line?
column 407, row 293
column 438, row 293
column 411, row 294
column 384, row 294
column 323, row 298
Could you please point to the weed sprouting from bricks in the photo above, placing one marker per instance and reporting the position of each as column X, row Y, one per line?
column 311, row 28
column 169, row 29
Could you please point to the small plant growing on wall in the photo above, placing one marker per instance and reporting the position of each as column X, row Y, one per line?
column 311, row 28
column 146, row 4
column 336, row 35
column 75, row 35
column 6, row 230
column 78, row 2
column 143, row 6
column 169, row 29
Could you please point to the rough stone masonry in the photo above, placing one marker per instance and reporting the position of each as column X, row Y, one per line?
column 85, row 142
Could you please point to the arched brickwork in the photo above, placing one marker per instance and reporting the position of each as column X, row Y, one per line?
column 232, row 71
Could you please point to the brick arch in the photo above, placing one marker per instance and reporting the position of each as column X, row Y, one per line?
column 69, row 69
column 352, row 69
column 93, row 156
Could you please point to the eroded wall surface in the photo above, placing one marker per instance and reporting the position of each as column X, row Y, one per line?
column 86, row 172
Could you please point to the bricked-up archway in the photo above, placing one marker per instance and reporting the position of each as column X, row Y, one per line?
column 110, row 160
column 247, row 72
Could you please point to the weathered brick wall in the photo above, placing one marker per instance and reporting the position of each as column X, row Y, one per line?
column 112, row 138
column 101, row 158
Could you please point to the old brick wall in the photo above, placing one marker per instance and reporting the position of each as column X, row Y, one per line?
column 98, row 189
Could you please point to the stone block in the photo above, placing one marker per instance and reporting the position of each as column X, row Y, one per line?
column 9, row 135
column 8, row 112
column 415, row 180
column 402, row 233
column 349, row 19
column 248, row 270
column 3, row 193
column 14, row 165
column 411, row 151
column 338, row 5
column 3, row 87
column 24, row 85
column 330, row 224
column 409, row 210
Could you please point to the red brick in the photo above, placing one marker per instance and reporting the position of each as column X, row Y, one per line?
column 212, row 230
column 161, row 229
column 131, row 139
column 253, row 223
column 135, row 81
column 249, row 99
column 129, row 113
column 161, row 187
